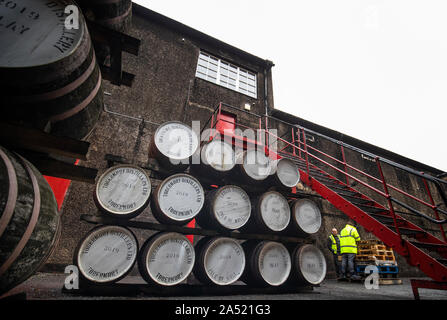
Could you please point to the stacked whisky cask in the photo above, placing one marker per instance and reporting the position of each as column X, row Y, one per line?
column 167, row 258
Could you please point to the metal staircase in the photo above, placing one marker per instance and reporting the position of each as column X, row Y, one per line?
column 420, row 248
column 397, row 229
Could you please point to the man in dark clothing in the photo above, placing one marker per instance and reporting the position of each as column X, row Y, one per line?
column 333, row 244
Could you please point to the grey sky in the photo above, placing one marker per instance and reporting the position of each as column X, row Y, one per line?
column 375, row 70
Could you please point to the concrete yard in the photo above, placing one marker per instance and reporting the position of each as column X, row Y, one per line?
column 48, row 286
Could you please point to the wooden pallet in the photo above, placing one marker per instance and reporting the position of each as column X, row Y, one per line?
column 390, row 281
column 376, row 259
column 372, row 247
column 369, row 242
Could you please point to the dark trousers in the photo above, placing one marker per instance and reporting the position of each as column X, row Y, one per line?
column 347, row 263
column 337, row 265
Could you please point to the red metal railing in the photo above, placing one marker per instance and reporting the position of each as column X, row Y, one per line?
column 301, row 150
column 303, row 147
column 216, row 118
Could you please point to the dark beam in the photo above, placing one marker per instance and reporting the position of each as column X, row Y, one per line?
column 55, row 168
column 17, row 137
column 110, row 37
column 126, row 78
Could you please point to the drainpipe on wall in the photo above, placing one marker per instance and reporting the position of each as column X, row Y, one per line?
column 268, row 66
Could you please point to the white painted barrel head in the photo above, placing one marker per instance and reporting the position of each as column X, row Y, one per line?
column 176, row 140
column 275, row 210
column 219, row 155
column 287, row 172
column 107, row 254
column 274, row 263
column 33, row 33
column 169, row 259
column 311, row 263
column 256, row 164
column 307, row 215
column 180, row 197
column 123, row 190
column 231, row 207
column 224, row 261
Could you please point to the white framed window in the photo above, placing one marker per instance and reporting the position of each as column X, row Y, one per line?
column 226, row 75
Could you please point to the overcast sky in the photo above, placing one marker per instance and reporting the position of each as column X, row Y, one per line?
column 375, row 70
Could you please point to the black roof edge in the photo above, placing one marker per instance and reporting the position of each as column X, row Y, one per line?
column 287, row 117
column 193, row 33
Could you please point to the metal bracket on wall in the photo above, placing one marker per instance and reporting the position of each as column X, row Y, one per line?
column 118, row 43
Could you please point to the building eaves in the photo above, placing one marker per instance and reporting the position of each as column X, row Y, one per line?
column 287, row 117
column 195, row 34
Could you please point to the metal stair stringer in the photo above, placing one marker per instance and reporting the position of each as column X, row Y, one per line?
column 414, row 255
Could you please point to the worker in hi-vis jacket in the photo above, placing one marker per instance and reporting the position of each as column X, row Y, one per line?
column 348, row 249
column 333, row 244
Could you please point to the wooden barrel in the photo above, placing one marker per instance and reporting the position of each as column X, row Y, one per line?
column 254, row 166
column 285, row 173
column 220, row 261
column 227, row 208
column 66, row 97
column 173, row 144
column 306, row 218
column 217, row 158
column 113, row 14
column 268, row 263
column 123, row 191
column 166, row 259
column 106, row 254
column 270, row 214
column 29, row 220
column 178, row 199
column 308, row 265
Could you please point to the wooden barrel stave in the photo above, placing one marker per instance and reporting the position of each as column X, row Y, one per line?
column 67, row 94
column 177, row 199
column 253, row 167
column 270, row 214
column 106, row 254
column 217, row 159
column 306, row 218
column 231, row 262
column 269, row 272
column 123, row 191
column 285, row 174
column 113, row 14
column 29, row 232
column 226, row 208
column 308, row 265
column 167, row 146
column 171, row 256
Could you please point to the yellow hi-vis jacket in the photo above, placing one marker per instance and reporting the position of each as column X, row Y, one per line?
column 348, row 238
column 334, row 247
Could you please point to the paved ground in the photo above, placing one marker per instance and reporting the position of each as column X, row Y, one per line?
column 48, row 287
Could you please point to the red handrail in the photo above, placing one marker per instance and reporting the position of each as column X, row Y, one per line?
column 302, row 150
column 307, row 153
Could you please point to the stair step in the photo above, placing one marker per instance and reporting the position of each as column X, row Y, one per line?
column 371, row 209
column 406, row 231
column 337, row 185
column 430, row 246
column 357, row 200
column 347, row 193
column 385, row 218
column 443, row 261
column 325, row 180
